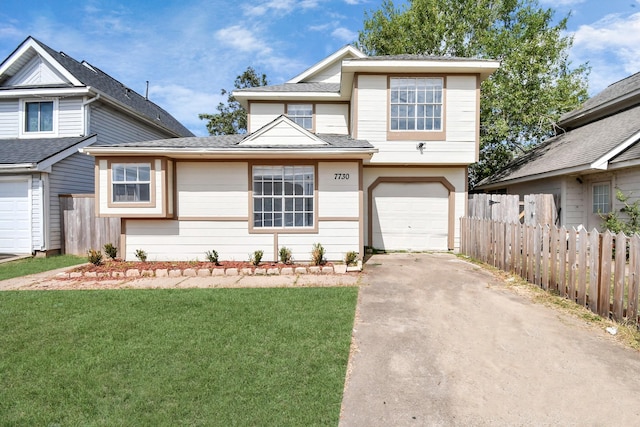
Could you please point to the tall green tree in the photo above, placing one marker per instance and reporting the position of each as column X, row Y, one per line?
column 231, row 118
column 522, row 101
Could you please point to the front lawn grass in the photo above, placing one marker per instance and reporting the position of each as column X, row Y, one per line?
column 175, row 357
column 22, row 267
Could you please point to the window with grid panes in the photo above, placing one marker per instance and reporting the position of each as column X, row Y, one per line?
column 131, row 182
column 416, row 104
column 302, row 114
column 602, row 197
column 283, row 196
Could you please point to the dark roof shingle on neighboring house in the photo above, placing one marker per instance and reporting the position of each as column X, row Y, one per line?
column 17, row 151
column 92, row 76
column 579, row 147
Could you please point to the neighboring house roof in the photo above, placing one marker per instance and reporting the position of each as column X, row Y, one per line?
column 103, row 83
column 31, row 152
column 609, row 140
column 295, row 87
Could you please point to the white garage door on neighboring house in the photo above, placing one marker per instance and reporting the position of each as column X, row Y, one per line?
column 410, row 216
column 15, row 223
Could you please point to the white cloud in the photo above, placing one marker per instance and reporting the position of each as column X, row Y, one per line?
column 278, row 7
column 344, row 34
column 611, row 45
column 242, row 39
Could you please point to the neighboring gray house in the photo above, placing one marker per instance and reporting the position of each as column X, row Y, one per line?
column 51, row 106
column 597, row 153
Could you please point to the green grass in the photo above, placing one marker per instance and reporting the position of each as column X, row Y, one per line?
column 243, row 357
column 22, row 267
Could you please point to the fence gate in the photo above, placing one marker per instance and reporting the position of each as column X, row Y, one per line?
column 81, row 229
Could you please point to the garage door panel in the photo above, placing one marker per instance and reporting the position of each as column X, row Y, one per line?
column 410, row 216
column 15, row 223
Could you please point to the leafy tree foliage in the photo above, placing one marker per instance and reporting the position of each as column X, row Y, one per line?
column 231, row 118
column 523, row 100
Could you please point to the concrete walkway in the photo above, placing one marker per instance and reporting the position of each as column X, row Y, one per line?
column 439, row 341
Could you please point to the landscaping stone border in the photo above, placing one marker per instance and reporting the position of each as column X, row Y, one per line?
column 208, row 272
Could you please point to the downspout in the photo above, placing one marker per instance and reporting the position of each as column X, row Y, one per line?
column 87, row 121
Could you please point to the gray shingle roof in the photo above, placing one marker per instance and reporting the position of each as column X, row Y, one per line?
column 295, row 87
column 612, row 92
column 105, row 83
column 222, row 142
column 578, row 147
column 15, row 151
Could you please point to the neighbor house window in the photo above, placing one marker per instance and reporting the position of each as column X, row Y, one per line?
column 302, row 114
column 416, row 104
column 283, row 196
column 602, row 198
column 38, row 116
column 131, row 182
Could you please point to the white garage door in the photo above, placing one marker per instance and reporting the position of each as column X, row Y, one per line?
column 410, row 216
column 15, row 225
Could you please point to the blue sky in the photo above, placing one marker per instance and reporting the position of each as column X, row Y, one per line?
column 189, row 49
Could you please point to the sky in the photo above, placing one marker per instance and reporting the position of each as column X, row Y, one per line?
column 189, row 50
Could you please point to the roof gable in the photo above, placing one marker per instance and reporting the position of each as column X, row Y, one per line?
column 37, row 72
column 328, row 70
column 282, row 132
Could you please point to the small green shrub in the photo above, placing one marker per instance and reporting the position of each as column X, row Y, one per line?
column 94, row 257
column 256, row 257
column 141, row 255
column 285, row 255
column 317, row 254
column 212, row 256
column 351, row 258
column 110, row 250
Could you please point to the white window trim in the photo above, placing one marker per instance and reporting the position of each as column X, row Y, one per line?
column 593, row 186
column 22, row 113
column 114, row 183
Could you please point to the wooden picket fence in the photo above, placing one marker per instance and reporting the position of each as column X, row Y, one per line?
column 600, row 271
column 534, row 209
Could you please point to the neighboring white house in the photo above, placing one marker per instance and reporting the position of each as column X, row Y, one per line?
column 596, row 152
column 50, row 106
column 355, row 151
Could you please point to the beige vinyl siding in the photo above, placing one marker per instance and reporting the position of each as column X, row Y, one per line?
column 170, row 240
column 372, row 108
column 104, row 208
column 9, row 118
column 114, row 127
column 332, row 118
column 216, row 189
column 262, row 113
column 70, row 117
column 455, row 175
column 329, row 75
column 73, row 175
column 36, row 72
column 283, row 134
column 338, row 197
column 336, row 237
column 461, row 109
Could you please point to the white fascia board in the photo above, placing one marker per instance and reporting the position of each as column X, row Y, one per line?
column 18, row 167
column 44, row 92
column 328, row 61
column 244, row 97
column 253, row 153
column 484, row 68
column 602, row 163
column 46, row 164
column 31, row 44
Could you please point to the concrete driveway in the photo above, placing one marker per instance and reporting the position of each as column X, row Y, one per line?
column 439, row 341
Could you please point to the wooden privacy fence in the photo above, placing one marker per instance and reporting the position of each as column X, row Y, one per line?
column 81, row 229
column 535, row 209
column 600, row 271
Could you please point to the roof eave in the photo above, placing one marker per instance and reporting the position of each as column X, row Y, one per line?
column 483, row 68
column 575, row 170
column 244, row 97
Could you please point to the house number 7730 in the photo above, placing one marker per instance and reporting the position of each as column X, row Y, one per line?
column 340, row 176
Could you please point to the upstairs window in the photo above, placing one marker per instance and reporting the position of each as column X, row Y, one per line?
column 131, row 182
column 283, row 196
column 602, row 197
column 38, row 116
column 416, row 104
column 302, row 114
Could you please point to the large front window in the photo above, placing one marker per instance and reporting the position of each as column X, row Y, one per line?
column 131, row 182
column 38, row 116
column 416, row 104
column 283, row 196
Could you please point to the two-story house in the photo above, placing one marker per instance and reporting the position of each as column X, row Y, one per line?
column 51, row 106
column 354, row 152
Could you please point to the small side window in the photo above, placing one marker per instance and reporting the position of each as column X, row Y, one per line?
column 302, row 114
column 602, row 197
column 131, row 182
column 38, row 116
